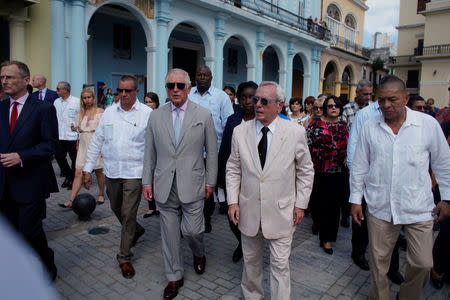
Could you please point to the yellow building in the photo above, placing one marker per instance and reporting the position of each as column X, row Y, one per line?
column 342, row 65
column 423, row 60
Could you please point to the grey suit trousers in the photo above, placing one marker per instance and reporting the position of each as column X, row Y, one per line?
column 174, row 216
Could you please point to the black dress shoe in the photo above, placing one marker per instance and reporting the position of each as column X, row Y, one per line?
column 199, row 264
column 127, row 270
column 208, row 227
column 328, row 250
column 65, row 183
column 136, row 237
column 237, row 254
column 361, row 262
column 171, row 290
column 396, row 277
column 148, row 215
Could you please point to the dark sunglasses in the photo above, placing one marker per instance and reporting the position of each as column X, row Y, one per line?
column 332, row 106
column 264, row 101
column 317, row 108
column 120, row 91
column 171, row 85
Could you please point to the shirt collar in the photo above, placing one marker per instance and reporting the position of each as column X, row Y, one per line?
column 271, row 126
column 43, row 90
column 208, row 91
column 134, row 107
column 21, row 100
column 412, row 117
column 182, row 107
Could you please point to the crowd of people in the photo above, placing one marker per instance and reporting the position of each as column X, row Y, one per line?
column 384, row 164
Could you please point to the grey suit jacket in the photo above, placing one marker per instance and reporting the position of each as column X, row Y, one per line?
column 163, row 158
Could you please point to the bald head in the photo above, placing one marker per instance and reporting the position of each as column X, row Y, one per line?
column 203, row 78
column 39, row 81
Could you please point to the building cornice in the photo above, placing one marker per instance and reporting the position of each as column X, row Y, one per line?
column 360, row 4
column 434, row 10
column 410, row 26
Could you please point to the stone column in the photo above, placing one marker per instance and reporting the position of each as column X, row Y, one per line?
column 78, row 49
column 260, row 45
column 289, row 68
column 250, row 72
column 306, row 85
column 315, row 71
column 219, row 36
column 17, row 37
column 150, row 78
column 321, row 85
column 58, row 43
column 337, row 88
column 352, row 93
column 162, row 21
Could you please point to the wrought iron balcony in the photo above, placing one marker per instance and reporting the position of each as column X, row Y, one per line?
column 346, row 44
column 280, row 15
column 403, row 60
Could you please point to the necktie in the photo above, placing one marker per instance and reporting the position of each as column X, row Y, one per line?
column 262, row 146
column 177, row 125
column 40, row 95
column 14, row 114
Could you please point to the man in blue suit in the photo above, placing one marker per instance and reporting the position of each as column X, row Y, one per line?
column 28, row 136
column 40, row 82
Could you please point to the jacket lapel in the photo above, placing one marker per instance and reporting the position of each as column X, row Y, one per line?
column 169, row 122
column 189, row 117
column 25, row 113
column 252, row 145
column 278, row 139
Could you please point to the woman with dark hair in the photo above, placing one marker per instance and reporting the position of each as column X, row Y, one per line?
column 296, row 108
column 327, row 140
column 231, row 92
column 245, row 93
column 151, row 100
column 309, row 102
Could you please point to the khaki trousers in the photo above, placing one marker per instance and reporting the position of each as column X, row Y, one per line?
column 280, row 279
column 124, row 196
column 382, row 238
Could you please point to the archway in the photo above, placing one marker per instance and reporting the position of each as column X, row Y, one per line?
column 116, row 47
column 330, row 76
column 297, row 77
column 234, row 62
column 187, row 50
column 271, row 65
column 346, row 81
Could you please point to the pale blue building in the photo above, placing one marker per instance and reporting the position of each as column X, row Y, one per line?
column 100, row 40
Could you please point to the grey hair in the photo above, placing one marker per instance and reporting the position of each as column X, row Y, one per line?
column 281, row 95
column 363, row 83
column 23, row 68
column 187, row 79
column 65, row 85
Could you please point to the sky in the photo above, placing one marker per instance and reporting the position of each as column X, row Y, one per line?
column 382, row 16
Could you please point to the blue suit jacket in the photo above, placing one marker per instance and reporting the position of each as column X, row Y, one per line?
column 50, row 96
column 34, row 138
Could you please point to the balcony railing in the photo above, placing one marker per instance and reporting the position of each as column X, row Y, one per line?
column 347, row 45
column 436, row 50
column 278, row 14
column 402, row 59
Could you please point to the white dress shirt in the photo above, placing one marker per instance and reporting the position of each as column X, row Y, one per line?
column 120, row 138
column 391, row 171
column 67, row 112
column 270, row 133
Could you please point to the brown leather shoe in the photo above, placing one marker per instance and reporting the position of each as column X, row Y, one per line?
column 199, row 264
column 136, row 237
column 127, row 270
column 171, row 290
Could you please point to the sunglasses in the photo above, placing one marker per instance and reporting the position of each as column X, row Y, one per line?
column 332, row 106
column 120, row 91
column 171, row 85
column 264, row 101
column 317, row 108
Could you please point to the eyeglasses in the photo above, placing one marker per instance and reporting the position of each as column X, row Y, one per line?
column 120, row 91
column 332, row 106
column 264, row 101
column 318, row 108
column 171, row 85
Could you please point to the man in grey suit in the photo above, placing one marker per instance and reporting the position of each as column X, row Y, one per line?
column 177, row 176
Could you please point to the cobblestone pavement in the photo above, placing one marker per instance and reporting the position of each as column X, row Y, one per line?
column 87, row 266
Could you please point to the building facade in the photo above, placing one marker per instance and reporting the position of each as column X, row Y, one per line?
column 343, row 63
column 423, row 53
column 92, row 41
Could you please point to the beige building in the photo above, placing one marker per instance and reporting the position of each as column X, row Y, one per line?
column 342, row 65
column 423, row 55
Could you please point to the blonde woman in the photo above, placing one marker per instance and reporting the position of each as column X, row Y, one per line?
column 87, row 122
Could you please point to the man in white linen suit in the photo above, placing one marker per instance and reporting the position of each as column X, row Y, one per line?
column 269, row 180
column 177, row 175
